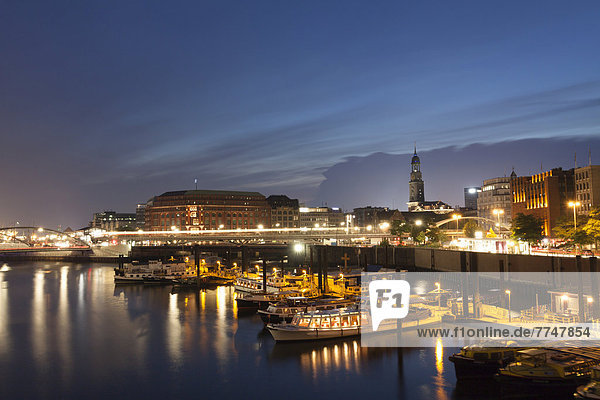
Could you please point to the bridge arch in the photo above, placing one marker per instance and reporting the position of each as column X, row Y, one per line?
column 40, row 229
column 491, row 221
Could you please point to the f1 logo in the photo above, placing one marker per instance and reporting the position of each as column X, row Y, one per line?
column 389, row 300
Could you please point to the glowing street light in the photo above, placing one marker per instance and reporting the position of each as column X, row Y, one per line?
column 418, row 222
column 298, row 247
column 384, row 226
column 509, row 316
column 456, row 217
column 574, row 204
column 369, row 227
column 260, row 226
column 498, row 212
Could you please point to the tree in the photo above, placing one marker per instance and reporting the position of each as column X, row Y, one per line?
column 470, row 228
column 384, row 242
column 399, row 227
column 435, row 235
column 592, row 226
column 527, row 228
column 420, row 237
column 564, row 229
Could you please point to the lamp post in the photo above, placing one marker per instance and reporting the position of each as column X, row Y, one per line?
column 498, row 212
column 509, row 316
column 590, row 300
column 456, row 217
column 574, row 204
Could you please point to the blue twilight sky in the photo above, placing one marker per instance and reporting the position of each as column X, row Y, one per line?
column 104, row 104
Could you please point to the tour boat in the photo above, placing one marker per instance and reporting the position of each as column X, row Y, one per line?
column 261, row 301
column 153, row 272
column 255, row 286
column 479, row 361
column 553, row 370
column 321, row 324
column 592, row 389
column 284, row 311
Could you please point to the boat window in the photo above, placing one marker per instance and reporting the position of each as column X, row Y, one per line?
column 508, row 354
column 335, row 322
column 345, row 320
column 295, row 319
column 304, row 322
column 325, row 323
column 480, row 356
column 354, row 320
column 315, row 322
column 495, row 356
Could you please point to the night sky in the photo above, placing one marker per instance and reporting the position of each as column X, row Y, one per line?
column 106, row 104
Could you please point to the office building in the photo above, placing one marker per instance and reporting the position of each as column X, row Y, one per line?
column 545, row 195
column 207, row 210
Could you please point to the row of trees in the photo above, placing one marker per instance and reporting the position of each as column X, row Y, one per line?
column 529, row 228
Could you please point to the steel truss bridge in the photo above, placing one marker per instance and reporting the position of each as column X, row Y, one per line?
column 37, row 238
column 240, row 236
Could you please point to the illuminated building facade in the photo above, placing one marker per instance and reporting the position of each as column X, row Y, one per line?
column 495, row 195
column 587, row 188
column 207, row 210
column 113, row 221
column 471, row 194
column 284, row 211
column 545, row 195
column 323, row 217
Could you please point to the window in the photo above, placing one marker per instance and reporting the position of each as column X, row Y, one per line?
column 325, row 322
column 335, row 322
column 315, row 322
column 304, row 322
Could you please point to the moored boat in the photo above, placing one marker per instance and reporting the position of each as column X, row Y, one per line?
column 317, row 325
column 538, row 370
column 480, row 361
column 284, row 311
column 592, row 389
column 261, row 301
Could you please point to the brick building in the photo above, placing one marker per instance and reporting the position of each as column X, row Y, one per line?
column 545, row 195
column 207, row 210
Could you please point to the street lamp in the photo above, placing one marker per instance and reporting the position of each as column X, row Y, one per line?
column 498, row 212
column 590, row 300
column 456, row 217
column 509, row 316
column 574, row 204
column 418, row 222
column 369, row 227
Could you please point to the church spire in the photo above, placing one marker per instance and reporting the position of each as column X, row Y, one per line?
column 415, row 147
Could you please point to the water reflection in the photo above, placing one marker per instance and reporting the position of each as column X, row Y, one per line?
column 63, row 327
column 38, row 318
column 79, row 334
column 439, row 380
column 4, row 315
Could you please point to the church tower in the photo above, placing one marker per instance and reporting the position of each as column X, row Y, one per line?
column 416, row 185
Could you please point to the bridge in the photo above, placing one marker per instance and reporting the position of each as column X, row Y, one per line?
column 241, row 236
column 37, row 238
column 490, row 221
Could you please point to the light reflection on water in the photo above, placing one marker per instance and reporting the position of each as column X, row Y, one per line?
column 66, row 331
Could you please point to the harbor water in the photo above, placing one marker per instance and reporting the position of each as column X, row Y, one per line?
column 67, row 331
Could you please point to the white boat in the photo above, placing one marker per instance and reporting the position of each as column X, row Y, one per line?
column 154, row 271
column 284, row 311
column 314, row 325
column 255, row 286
